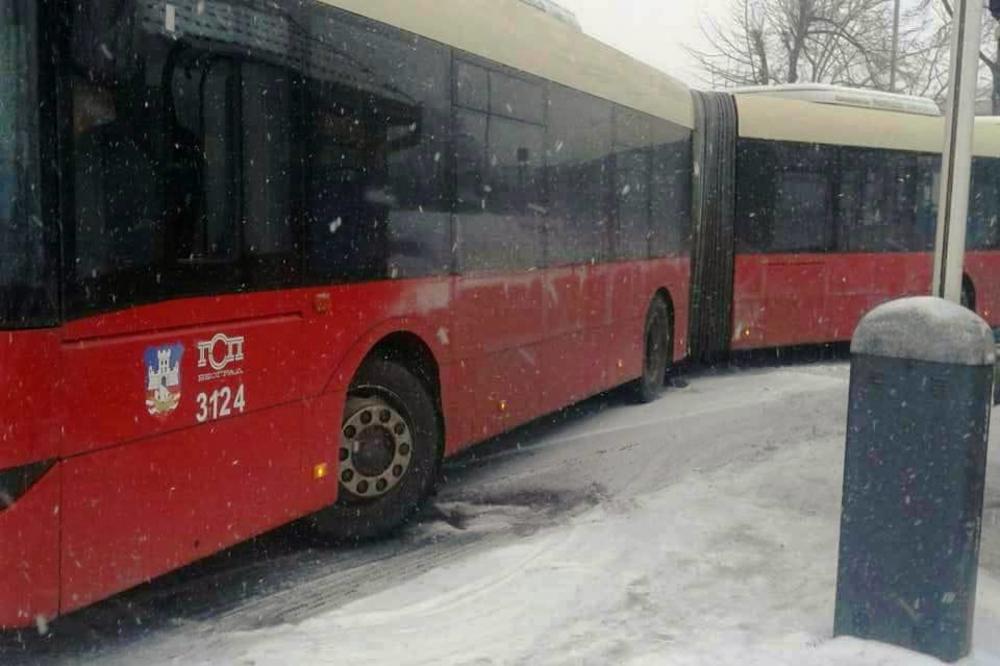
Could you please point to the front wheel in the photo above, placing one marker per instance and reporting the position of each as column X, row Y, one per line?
column 658, row 344
column 389, row 453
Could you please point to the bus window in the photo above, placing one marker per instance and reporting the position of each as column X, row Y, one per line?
column 377, row 120
column 632, row 190
column 578, row 145
column 633, row 156
column 984, row 205
column 270, row 175
column 346, row 228
column 514, row 97
column 119, row 211
column 27, row 256
column 504, row 230
column 787, row 204
column 883, row 205
column 472, row 86
column 499, row 167
column 758, row 162
column 202, row 178
column 802, row 221
column 670, row 201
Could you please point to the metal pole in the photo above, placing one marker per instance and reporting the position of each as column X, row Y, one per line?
column 893, row 63
column 956, row 166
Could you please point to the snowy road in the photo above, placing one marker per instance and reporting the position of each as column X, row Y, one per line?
column 699, row 529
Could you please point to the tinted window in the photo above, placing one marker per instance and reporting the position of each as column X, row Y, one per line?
column 578, row 148
column 885, row 202
column 633, row 186
column 785, row 197
column 632, row 190
column 670, row 202
column 984, row 205
column 27, row 275
column 653, row 186
column 270, row 177
column 516, row 98
column 184, row 173
column 498, row 164
column 378, row 117
column 472, row 86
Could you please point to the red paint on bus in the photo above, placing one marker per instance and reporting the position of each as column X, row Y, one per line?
column 796, row 299
column 140, row 487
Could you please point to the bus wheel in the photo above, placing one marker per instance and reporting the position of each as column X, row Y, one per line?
column 968, row 298
column 390, row 444
column 656, row 357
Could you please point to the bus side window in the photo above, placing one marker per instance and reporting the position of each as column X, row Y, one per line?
column 117, row 191
column 984, row 205
column 803, row 208
column 268, row 164
column 499, row 171
column 756, row 192
column 670, row 203
column 578, row 147
column 346, row 230
column 633, row 166
column 375, row 151
column 202, row 169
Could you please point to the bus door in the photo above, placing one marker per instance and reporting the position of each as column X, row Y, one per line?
column 181, row 362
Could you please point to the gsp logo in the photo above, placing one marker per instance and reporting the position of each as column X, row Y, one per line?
column 220, row 352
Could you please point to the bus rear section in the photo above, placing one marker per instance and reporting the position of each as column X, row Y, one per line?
column 835, row 211
column 261, row 263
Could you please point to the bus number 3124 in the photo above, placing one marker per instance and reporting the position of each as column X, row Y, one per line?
column 220, row 403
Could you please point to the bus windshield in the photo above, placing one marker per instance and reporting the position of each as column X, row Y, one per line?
column 26, row 277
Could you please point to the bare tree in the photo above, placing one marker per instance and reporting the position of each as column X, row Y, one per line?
column 989, row 52
column 844, row 42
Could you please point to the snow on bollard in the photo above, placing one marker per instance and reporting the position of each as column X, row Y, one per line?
column 914, row 471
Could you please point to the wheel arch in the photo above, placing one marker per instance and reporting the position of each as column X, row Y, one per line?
column 664, row 293
column 411, row 351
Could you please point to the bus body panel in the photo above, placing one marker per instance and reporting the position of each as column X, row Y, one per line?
column 29, row 554
column 782, row 299
column 133, row 512
column 29, row 414
column 239, row 365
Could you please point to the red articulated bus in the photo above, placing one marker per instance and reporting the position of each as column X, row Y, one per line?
column 261, row 261
column 828, row 209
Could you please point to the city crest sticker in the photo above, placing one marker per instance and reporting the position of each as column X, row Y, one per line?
column 163, row 378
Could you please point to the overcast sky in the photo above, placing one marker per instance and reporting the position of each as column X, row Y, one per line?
column 651, row 30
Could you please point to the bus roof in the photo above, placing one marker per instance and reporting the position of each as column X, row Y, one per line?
column 778, row 119
column 518, row 35
column 843, row 96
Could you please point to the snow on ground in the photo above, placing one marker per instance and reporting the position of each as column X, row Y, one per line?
column 701, row 529
column 731, row 562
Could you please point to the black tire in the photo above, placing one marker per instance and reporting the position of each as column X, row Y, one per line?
column 968, row 298
column 383, row 389
column 657, row 352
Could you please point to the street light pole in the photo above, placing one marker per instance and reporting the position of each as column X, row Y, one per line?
column 953, row 207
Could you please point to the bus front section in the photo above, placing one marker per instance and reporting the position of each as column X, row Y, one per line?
column 29, row 344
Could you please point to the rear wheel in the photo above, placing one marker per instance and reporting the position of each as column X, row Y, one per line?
column 968, row 298
column 658, row 344
column 390, row 449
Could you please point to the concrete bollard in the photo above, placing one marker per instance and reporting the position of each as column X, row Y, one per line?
column 914, row 471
